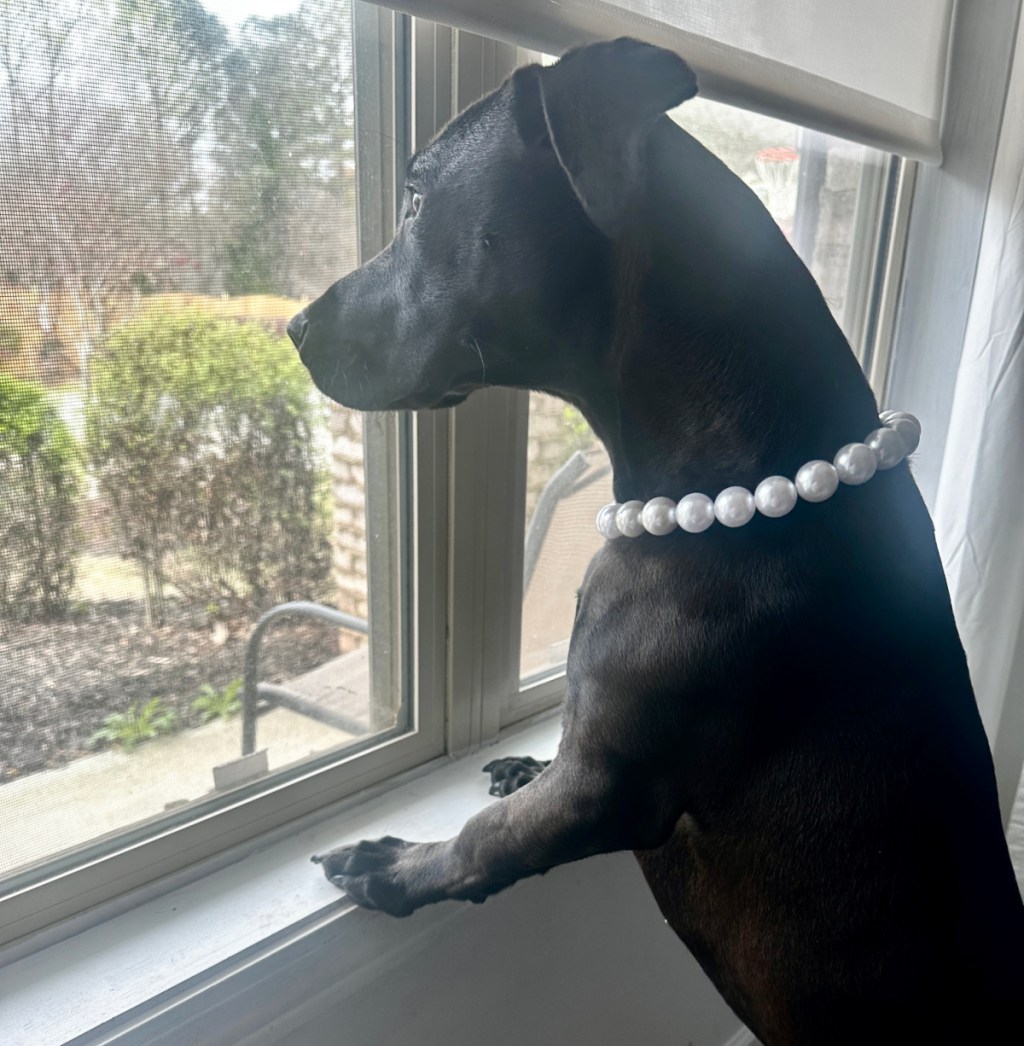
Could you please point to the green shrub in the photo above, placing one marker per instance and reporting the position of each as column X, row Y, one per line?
column 39, row 487
column 202, row 435
column 576, row 433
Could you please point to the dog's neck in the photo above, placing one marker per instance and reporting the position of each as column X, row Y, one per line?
column 723, row 363
column 771, row 386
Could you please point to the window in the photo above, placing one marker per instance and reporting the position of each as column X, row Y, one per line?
column 177, row 180
column 830, row 197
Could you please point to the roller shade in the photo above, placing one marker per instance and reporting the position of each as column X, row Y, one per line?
column 870, row 70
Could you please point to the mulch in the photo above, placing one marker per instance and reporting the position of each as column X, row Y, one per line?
column 60, row 680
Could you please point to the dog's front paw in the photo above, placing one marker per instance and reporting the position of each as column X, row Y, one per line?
column 510, row 774
column 372, row 873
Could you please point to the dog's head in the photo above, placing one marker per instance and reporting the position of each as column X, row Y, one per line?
column 500, row 270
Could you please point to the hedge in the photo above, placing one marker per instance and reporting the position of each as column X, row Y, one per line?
column 202, row 433
column 40, row 480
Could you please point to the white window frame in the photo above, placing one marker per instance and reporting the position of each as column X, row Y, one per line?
column 78, row 883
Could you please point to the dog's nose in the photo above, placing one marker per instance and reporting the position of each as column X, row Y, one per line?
column 297, row 329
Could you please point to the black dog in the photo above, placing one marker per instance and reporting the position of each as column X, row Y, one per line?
column 778, row 718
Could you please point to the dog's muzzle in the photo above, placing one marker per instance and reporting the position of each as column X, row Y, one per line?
column 297, row 328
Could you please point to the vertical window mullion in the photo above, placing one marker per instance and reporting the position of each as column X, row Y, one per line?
column 487, row 521
column 379, row 121
column 486, row 499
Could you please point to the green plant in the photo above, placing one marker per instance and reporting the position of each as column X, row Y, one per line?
column 131, row 727
column 40, row 480
column 576, row 433
column 218, row 704
column 203, row 435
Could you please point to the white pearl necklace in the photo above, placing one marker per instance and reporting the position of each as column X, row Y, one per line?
column 775, row 496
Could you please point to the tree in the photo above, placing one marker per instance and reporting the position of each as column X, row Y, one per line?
column 102, row 109
column 174, row 52
column 285, row 150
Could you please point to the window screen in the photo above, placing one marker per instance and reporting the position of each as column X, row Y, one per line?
column 177, row 178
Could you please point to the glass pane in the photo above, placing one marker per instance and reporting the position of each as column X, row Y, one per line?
column 824, row 194
column 568, row 478
column 822, row 191
column 177, row 181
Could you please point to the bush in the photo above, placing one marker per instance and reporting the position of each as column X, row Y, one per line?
column 202, row 433
column 39, row 486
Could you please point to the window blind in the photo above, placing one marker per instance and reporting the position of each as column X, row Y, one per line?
column 873, row 70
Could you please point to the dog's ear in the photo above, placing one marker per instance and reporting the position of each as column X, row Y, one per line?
column 596, row 105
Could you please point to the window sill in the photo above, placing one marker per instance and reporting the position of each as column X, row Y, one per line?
column 125, row 973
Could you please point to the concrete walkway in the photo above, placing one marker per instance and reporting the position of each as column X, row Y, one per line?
column 45, row 813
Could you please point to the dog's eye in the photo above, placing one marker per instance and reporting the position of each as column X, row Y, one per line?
column 415, row 203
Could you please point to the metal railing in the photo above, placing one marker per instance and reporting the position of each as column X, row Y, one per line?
column 280, row 696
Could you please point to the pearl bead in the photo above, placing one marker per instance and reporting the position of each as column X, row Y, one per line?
column 889, row 416
column 817, row 481
column 695, row 512
column 775, row 496
column 606, row 525
column 734, row 507
column 856, row 463
column 888, row 446
column 908, row 431
column 659, row 516
column 627, row 519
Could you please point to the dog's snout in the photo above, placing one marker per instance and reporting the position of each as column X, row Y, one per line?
column 297, row 329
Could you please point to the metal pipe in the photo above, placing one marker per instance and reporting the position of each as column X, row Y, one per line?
column 250, row 692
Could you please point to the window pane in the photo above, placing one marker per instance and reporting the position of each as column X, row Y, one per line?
column 825, row 193
column 176, row 182
column 568, row 478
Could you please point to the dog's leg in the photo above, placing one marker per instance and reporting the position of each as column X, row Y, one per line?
column 571, row 810
column 508, row 775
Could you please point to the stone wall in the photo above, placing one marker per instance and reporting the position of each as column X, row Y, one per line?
column 838, row 204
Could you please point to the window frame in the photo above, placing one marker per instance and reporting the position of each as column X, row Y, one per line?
column 462, row 476
column 69, row 885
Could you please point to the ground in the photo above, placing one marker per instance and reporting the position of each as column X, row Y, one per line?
column 61, row 679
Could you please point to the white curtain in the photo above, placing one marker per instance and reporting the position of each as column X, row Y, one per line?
column 870, row 70
column 979, row 510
